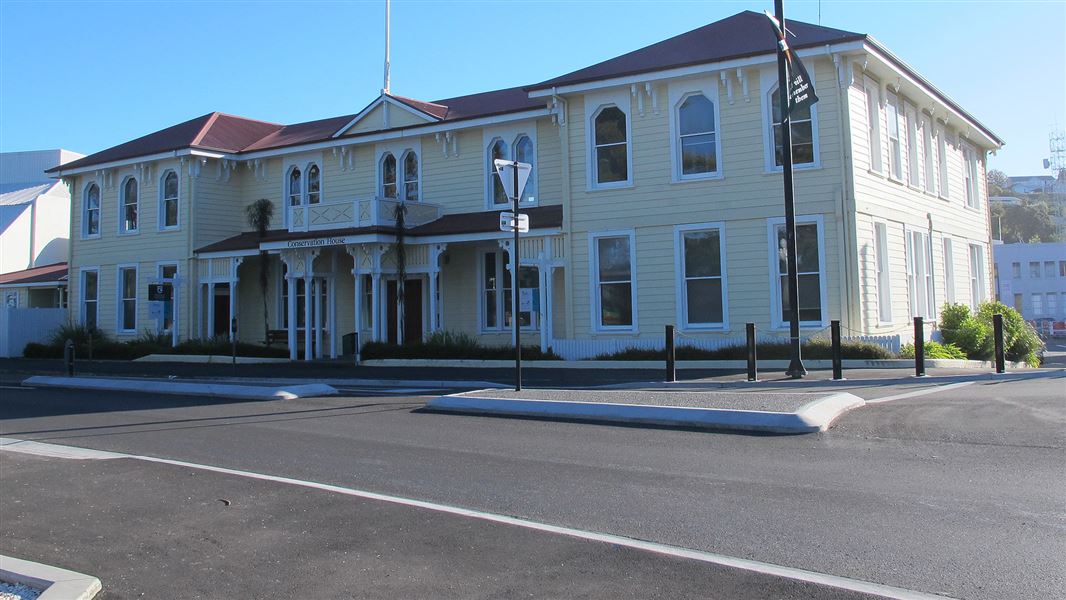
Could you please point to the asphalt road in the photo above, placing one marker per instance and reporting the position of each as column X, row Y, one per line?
column 959, row 493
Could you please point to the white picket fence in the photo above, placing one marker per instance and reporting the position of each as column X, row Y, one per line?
column 587, row 349
column 20, row 326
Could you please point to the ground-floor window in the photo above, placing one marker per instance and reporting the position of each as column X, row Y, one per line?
column 884, row 276
column 920, row 274
column 127, row 305
column 977, row 275
column 702, row 295
column 90, row 289
column 614, row 291
column 949, row 271
column 809, row 267
column 167, row 273
column 496, row 293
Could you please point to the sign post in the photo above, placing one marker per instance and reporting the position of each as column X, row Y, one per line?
column 796, row 91
column 513, row 175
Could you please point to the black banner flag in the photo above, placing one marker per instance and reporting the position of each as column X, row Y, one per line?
column 800, row 87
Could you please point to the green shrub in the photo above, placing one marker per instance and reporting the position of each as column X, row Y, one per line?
column 445, row 345
column 973, row 333
column 934, row 350
column 813, row 349
column 1021, row 343
column 145, row 343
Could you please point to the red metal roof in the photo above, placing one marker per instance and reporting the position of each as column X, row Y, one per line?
column 44, row 274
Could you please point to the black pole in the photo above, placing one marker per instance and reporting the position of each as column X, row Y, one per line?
column 671, row 364
column 233, row 341
column 919, row 347
column 516, row 292
column 997, row 332
column 838, row 368
column 796, row 369
column 749, row 329
column 68, row 356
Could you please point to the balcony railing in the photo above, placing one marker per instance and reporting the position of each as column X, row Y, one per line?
column 360, row 212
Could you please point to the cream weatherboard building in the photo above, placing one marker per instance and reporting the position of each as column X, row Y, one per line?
column 655, row 199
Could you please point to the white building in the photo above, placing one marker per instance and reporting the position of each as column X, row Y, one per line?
column 1032, row 279
column 34, row 210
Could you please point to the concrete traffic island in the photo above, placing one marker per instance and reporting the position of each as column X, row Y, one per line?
column 736, row 411
column 185, row 388
column 52, row 583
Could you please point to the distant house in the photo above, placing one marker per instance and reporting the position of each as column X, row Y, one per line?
column 34, row 210
column 39, row 287
column 1032, row 279
column 1032, row 184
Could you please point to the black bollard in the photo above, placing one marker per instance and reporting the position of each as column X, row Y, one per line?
column 919, row 347
column 671, row 363
column 997, row 332
column 68, row 357
column 838, row 368
column 749, row 329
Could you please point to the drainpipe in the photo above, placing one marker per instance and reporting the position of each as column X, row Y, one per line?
column 568, row 222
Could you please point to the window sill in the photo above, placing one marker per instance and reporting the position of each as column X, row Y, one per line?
column 800, row 168
column 606, row 187
column 94, row 236
column 716, row 328
column 803, row 325
column 129, row 233
column 166, row 229
column 631, row 331
column 697, row 178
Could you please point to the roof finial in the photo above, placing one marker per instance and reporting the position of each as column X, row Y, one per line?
column 385, row 90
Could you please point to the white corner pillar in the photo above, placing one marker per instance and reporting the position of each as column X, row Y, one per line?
column 316, row 311
column 436, row 308
column 211, row 310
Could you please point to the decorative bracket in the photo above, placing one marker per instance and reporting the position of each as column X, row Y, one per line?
column 742, row 77
column 724, row 77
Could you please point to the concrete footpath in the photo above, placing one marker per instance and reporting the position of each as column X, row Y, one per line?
column 750, row 411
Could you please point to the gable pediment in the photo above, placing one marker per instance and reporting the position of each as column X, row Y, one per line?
column 389, row 112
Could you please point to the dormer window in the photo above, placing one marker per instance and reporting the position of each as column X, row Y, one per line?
column 388, row 176
column 410, row 176
column 295, row 184
column 314, row 184
column 91, row 218
column 128, row 219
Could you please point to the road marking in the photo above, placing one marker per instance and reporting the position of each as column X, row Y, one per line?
column 921, row 392
column 792, row 573
column 16, row 387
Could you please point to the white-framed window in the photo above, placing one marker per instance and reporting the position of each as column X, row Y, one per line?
column 920, row 274
column 913, row 157
column 949, row 271
column 873, row 120
column 295, row 186
column 127, row 221
column 696, row 134
column 168, row 201
column 895, row 148
column 520, row 148
column 884, row 278
column 942, row 159
column 90, row 297
column 127, row 299
column 804, row 133
column 930, row 155
column 701, row 276
column 610, row 137
column 410, row 177
column 977, row 275
column 810, row 266
column 496, row 292
column 1036, row 301
column 167, row 272
column 613, row 276
column 969, row 174
column 1034, row 269
column 314, row 184
column 388, row 176
column 90, row 222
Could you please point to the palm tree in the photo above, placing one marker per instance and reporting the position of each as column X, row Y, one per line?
column 259, row 214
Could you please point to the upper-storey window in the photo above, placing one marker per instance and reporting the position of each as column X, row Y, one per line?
column 168, row 201
column 803, row 141
column 314, row 184
column 913, row 157
column 520, row 150
column 969, row 173
column 930, row 155
column 497, row 151
column 410, row 176
column 524, row 152
column 697, row 137
column 91, row 218
column 295, row 185
column 388, row 175
column 128, row 220
column 942, row 156
column 895, row 149
column 610, row 137
column 873, row 120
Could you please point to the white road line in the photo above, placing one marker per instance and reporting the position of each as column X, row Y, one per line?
column 16, row 387
column 921, row 392
column 833, row 581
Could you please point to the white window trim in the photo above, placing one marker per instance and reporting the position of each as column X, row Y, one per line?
column 678, row 92
column 401, row 176
column 161, row 217
column 943, row 168
column 873, row 126
column 159, row 277
column 912, row 275
column 305, row 184
column 930, row 159
column 895, row 163
column 594, row 280
column 679, row 269
column 775, row 284
column 948, row 249
column 85, row 235
column 398, row 149
column 81, row 293
column 971, row 169
column 503, row 274
column 768, row 82
column 883, row 274
column 914, row 168
column 594, row 103
column 118, row 297
column 510, row 134
column 122, row 206
column 981, row 277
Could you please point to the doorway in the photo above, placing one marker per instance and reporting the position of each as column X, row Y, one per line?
column 412, row 300
column 221, row 325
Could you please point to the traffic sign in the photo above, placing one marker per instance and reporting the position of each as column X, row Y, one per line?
column 507, row 222
column 505, row 169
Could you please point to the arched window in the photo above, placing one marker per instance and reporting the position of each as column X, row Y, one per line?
column 91, row 219
column 802, row 133
column 128, row 220
column 168, row 202
column 697, row 143
column 497, row 150
column 523, row 152
column 314, row 184
column 612, row 153
column 410, row 177
column 388, row 176
column 294, row 187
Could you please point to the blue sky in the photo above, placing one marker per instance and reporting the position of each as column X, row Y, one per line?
column 120, row 69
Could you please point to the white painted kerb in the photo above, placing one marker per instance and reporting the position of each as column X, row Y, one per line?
column 150, row 386
column 56, row 583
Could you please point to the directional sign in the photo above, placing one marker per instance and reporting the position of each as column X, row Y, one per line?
column 507, row 222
